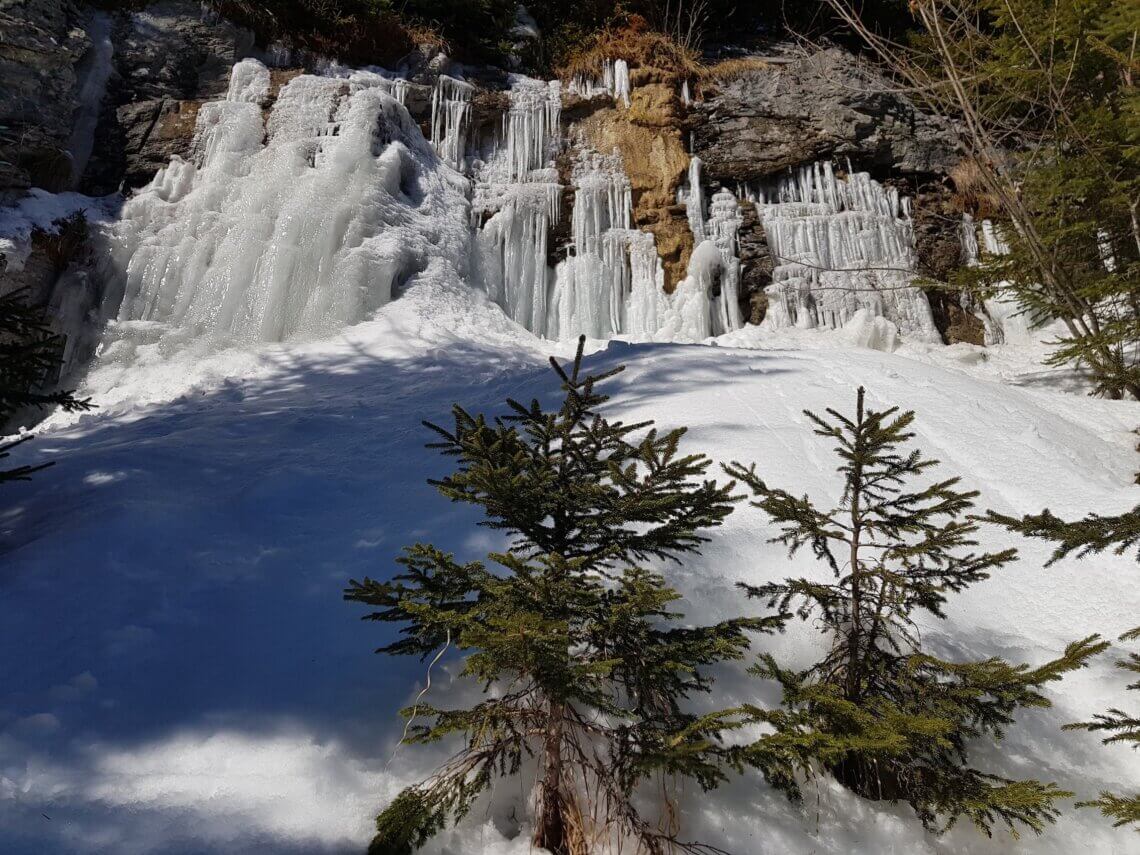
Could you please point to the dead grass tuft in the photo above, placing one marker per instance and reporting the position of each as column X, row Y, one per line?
column 641, row 48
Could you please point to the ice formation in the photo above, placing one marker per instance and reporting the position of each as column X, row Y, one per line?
column 841, row 245
column 614, row 81
column 94, row 71
column 291, row 227
column 450, row 113
column 591, row 284
column 518, row 194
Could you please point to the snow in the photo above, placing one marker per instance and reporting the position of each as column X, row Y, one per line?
column 190, row 680
column 43, row 211
column 294, row 302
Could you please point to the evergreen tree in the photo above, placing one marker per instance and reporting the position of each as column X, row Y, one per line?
column 29, row 360
column 1046, row 98
column 1087, row 536
column 576, row 644
column 887, row 718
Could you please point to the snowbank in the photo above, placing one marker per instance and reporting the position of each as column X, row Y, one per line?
column 185, row 676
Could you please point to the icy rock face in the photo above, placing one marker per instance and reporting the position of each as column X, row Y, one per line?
column 611, row 282
column 518, row 188
column 839, row 246
column 591, row 284
column 291, row 227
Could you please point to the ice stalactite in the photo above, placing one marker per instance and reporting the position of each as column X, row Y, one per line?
column 530, row 128
column 686, row 98
column 841, row 246
column 692, row 196
column 621, row 87
column 591, row 283
column 450, row 113
column 517, row 200
column 295, row 227
column 614, row 82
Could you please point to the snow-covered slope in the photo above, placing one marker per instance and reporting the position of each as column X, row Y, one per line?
column 181, row 674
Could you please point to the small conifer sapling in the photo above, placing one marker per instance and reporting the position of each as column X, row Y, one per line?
column 885, row 716
column 576, row 643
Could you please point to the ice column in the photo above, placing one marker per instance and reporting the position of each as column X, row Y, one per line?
column 518, row 198
column 841, row 245
column 591, row 284
column 450, row 111
column 94, row 71
column 294, row 227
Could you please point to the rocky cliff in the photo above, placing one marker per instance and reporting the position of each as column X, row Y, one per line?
column 97, row 101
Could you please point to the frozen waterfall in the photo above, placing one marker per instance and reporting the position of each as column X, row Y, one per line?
column 841, row 245
column 292, row 226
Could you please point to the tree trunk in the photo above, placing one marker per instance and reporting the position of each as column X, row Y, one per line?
column 550, row 828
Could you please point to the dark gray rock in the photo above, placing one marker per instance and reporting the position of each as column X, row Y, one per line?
column 828, row 104
column 169, row 58
column 40, row 43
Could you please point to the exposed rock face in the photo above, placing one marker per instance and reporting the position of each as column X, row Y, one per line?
column 824, row 105
column 648, row 136
column 40, row 43
column 755, row 266
column 169, row 58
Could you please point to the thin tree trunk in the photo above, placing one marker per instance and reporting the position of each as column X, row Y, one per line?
column 550, row 831
column 854, row 641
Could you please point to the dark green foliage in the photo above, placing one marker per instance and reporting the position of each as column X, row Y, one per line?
column 884, row 716
column 1056, row 83
column 1091, row 535
column 29, row 360
column 379, row 31
column 579, row 642
column 1120, row 727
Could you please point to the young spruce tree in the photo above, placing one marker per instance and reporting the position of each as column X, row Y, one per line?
column 29, row 359
column 886, row 717
column 575, row 643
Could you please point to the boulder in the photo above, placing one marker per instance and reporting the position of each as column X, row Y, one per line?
column 829, row 104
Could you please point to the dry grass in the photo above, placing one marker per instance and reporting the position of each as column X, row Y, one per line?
column 729, row 68
column 641, row 48
column 970, row 192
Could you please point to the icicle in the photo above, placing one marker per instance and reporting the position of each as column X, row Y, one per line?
column 992, row 239
column 450, row 112
column 592, row 284
column 621, row 82
column 841, row 246
column 695, row 201
column 531, row 126
column 969, row 237
column 685, row 98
